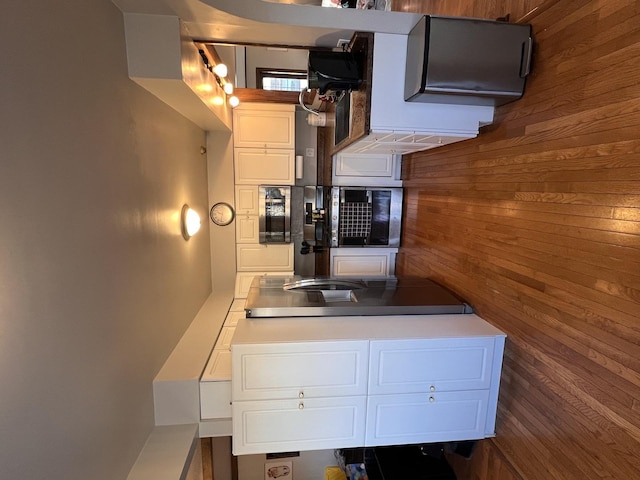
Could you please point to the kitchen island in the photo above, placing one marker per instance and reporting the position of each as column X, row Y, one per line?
column 336, row 382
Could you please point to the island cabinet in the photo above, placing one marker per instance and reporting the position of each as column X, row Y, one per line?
column 339, row 382
column 299, row 396
column 428, row 390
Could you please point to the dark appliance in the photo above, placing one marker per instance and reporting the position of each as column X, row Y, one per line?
column 333, row 71
column 274, row 217
column 365, row 216
column 320, row 296
column 467, row 61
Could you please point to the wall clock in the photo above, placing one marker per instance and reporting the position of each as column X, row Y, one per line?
column 222, row 214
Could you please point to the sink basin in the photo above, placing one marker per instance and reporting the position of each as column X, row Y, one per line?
column 323, row 284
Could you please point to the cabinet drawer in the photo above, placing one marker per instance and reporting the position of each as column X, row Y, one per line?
column 430, row 365
column 308, row 424
column 423, row 418
column 299, row 370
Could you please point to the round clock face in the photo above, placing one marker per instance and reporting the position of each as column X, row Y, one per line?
column 222, row 213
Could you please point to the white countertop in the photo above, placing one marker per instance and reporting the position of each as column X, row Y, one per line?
column 301, row 329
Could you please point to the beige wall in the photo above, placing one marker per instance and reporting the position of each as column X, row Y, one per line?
column 96, row 283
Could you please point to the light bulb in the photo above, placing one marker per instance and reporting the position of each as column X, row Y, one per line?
column 190, row 222
column 234, row 101
column 228, row 88
column 220, row 70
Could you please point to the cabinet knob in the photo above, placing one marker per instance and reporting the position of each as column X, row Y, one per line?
column 300, row 406
column 301, row 395
column 432, row 388
column 432, row 399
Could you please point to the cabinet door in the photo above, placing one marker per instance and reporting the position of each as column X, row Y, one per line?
column 364, row 165
column 262, row 166
column 430, row 365
column 247, row 200
column 268, row 258
column 264, row 126
column 247, row 229
column 424, row 418
column 360, row 262
column 291, row 425
column 299, row 370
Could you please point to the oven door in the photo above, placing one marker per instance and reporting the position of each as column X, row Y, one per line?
column 275, row 214
column 366, row 216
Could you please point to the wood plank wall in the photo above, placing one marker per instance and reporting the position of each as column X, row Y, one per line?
column 537, row 224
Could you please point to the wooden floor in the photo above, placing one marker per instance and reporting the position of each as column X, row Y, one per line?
column 537, row 224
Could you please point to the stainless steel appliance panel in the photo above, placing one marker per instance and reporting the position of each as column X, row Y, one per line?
column 274, row 218
column 365, row 216
column 467, row 61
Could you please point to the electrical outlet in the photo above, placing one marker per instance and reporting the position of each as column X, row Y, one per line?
column 309, row 152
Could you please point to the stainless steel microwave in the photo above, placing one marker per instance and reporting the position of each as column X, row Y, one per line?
column 275, row 214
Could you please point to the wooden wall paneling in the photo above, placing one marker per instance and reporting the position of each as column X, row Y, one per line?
column 537, row 224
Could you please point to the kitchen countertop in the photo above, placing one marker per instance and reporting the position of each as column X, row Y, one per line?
column 361, row 42
column 296, row 329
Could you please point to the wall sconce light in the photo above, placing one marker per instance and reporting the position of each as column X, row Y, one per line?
column 190, row 222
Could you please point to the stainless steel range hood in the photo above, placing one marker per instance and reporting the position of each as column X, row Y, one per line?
column 296, row 296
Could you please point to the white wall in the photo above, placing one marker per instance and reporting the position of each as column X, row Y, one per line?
column 96, row 283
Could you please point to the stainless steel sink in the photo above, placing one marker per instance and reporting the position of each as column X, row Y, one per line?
column 294, row 296
column 332, row 290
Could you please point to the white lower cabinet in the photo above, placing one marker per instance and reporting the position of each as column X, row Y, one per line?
column 385, row 381
column 423, row 418
column 362, row 262
column 429, row 390
column 298, row 424
column 298, row 396
column 266, row 258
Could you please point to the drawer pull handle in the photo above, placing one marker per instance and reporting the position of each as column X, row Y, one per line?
column 301, row 395
column 300, row 406
column 432, row 399
column 432, row 388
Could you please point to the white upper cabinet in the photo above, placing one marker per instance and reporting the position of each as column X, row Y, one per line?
column 257, row 125
column 260, row 166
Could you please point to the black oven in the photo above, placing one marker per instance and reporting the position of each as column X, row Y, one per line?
column 365, row 216
column 274, row 214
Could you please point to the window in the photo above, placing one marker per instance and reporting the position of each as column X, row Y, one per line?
column 281, row 79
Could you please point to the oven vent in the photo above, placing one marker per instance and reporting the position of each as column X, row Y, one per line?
column 355, row 219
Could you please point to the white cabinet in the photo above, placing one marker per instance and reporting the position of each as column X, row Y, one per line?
column 260, row 166
column 262, row 125
column 298, row 396
column 366, row 169
column 292, row 425
column 247, row 200
column 325, row 383
column 426, row 418
column 247, row 229
column 362, row 262
column 268, row 258
column 429, row 390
